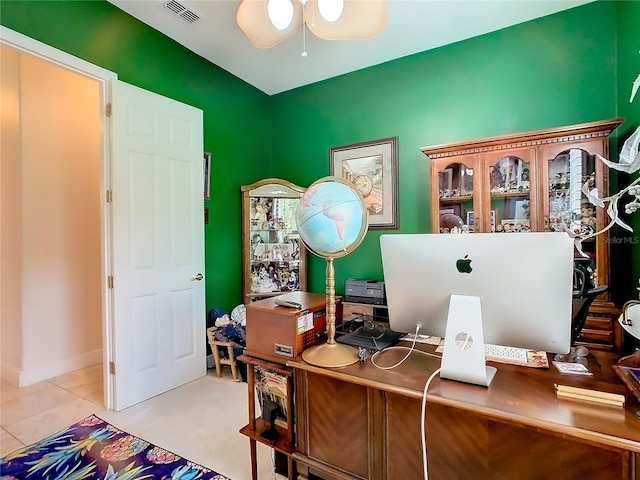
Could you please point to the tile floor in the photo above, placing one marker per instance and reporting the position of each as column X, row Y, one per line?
column 199, row 421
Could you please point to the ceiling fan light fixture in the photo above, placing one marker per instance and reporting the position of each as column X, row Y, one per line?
column 331, row 10
column 280, row 13
column 360, row 20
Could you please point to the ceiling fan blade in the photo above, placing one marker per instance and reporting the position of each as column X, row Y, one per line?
column 360, row 20
column 254, row 21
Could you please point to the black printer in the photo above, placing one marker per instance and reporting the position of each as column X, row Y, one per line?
column 364, row 291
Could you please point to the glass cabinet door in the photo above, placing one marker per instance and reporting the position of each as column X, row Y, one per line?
column 568, row 207
column 457, row 183
column 274, row 256
column 510, row 185
column 275, row 249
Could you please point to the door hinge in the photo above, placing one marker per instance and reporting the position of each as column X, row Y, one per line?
column 110, row 281
column 109, row 196
column 108, row 109
column 112, row 368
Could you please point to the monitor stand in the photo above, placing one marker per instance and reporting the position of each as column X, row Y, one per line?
column 463, row 355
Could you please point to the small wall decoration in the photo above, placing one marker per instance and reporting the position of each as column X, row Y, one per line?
column 373, row 168
column 207, row 175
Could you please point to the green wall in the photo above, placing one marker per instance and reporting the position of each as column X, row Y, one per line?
column 628, row 49
column 237, row 129
column 554, row 71
column 572, row 67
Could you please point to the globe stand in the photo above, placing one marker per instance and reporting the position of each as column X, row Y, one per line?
column 331, row 354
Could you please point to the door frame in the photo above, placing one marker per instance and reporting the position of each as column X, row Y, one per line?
column 104, row 77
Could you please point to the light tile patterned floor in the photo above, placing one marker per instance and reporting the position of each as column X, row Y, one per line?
column 199, row 421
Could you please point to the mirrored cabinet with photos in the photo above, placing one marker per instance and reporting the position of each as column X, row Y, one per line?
column 531, row 181
column 273, row 255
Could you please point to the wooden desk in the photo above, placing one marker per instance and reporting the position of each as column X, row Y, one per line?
column 360, row 422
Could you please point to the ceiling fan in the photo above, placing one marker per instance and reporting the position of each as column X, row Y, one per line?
column 269, row 22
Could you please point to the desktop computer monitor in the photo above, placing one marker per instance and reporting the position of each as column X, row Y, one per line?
column 524, row 282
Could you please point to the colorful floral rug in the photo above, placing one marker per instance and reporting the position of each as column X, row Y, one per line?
column 94, row 449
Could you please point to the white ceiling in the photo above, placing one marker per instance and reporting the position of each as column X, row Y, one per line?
column 412, row 26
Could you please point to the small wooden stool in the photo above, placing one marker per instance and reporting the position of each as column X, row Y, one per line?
column 218, row 358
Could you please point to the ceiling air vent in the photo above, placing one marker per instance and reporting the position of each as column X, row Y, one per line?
column 182, row 11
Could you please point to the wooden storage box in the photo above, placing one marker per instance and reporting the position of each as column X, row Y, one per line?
column 279, row 333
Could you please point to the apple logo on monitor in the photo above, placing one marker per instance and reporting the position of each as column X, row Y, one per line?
column 464, row 264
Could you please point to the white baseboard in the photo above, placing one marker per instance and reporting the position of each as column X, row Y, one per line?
column 50, row 370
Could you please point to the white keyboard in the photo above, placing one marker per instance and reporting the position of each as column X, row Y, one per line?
column 501, row 353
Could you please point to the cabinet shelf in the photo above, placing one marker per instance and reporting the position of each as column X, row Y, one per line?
column 262, row 230
column 281, row 443
column 524, row 193
column 288, row 262
column 458, row 199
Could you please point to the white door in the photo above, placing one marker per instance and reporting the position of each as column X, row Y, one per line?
column 157, row 243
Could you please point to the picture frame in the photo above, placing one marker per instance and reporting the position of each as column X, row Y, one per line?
column 465, row 176
column 373, row 168
column 493, row 221
column 523, row 176
column 445, row 180
column 470, row 219
column 207, row 175
column 454, row 209
column 522, row 209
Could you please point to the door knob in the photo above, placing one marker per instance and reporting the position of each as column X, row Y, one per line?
column 197, row 278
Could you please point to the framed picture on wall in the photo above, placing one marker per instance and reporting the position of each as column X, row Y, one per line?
column 373, row 168
column 207, row 175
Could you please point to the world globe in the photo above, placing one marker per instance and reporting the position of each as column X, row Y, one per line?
column 331, row 217
column 332, row 221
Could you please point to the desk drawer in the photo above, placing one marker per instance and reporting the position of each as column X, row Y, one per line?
column 598, row 332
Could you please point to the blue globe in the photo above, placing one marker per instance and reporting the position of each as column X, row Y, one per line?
column 331, row 217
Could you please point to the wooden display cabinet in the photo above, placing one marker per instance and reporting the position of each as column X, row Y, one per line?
column 531, row 181
column 274, row 256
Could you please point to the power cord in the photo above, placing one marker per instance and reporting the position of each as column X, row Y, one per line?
column 424, row 393
column 424, row 421
column 411, row 349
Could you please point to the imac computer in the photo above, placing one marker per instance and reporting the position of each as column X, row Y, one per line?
column 505, row 289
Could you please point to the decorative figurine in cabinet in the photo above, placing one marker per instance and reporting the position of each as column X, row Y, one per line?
column 531, row 181
column 274, row 257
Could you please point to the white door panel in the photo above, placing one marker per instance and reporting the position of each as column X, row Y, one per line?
column 158, row 244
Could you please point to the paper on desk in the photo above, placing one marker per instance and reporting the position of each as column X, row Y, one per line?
column 572, row 368
column 422, row 339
